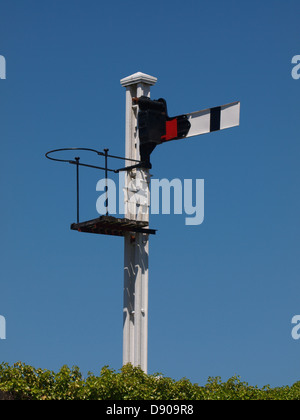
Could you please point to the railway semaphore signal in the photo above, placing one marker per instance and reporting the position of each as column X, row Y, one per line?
column 147, row 125
column 156, row 127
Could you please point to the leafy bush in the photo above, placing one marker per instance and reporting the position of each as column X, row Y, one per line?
column 21, row 381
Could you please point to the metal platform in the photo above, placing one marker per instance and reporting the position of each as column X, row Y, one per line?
column 109, row 225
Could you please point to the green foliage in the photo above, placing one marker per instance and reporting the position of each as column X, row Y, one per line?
column 130, row 383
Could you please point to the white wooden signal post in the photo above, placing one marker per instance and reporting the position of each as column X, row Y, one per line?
column 136, row 247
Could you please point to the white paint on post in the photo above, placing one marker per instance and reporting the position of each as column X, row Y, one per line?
column 136, row 247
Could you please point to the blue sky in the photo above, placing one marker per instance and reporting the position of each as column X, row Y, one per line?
column 221, row 294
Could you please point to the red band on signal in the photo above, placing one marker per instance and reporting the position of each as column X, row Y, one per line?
column 171, row 130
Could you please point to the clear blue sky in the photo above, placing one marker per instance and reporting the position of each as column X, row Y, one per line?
column 222, row 294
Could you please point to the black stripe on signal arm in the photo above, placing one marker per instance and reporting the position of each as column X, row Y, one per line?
column 215, row 118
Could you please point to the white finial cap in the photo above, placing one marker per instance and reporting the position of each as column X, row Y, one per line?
column 138, row 78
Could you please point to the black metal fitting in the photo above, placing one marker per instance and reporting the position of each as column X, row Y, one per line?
column 156, row 127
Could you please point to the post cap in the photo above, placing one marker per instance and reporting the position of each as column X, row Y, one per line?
column 138, row 78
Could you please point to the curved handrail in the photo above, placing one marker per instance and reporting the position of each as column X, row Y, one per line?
column 85, row 149
column 138, row 164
